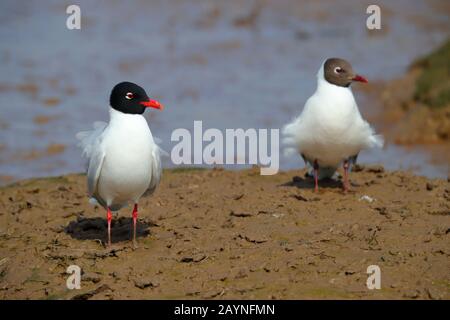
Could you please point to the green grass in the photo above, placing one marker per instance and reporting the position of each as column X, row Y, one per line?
column 433, row 84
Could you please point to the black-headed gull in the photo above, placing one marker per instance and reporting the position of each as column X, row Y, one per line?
column 123, row 158
column 330, row 130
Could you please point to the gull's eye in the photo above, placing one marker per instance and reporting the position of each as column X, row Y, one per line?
column 338, row 70
column 129, row 95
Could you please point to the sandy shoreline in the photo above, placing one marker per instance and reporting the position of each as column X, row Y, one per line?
column 231, row 234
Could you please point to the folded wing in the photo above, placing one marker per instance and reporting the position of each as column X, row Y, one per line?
column 90, row 143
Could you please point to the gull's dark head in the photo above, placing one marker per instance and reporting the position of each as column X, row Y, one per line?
column 340, row 72
column 128, row 97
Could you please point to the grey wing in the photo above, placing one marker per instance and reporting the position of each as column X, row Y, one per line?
column 90, row 143
column 156, row 170
column 93, row 171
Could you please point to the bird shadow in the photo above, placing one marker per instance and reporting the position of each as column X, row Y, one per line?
column 307, row 182
column 97, row 229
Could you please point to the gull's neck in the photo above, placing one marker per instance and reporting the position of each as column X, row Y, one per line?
column 115, row 115
column 326, row 88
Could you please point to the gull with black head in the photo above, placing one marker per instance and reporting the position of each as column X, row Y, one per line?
column 123, row 158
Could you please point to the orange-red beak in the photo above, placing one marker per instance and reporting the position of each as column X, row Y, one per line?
column 152, row 104
column 360, row 79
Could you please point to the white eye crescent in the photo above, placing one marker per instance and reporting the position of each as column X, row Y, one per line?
column 337, row 70
column 129, row 96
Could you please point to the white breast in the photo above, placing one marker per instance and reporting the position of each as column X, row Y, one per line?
column 330, row 127
column 126, row 170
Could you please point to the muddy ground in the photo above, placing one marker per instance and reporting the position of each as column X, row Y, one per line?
column 231, row 234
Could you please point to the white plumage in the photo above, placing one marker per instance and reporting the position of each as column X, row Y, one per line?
column 330, row 128
column 123, row 160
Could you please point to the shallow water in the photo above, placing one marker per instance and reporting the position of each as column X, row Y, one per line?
column 205, row 60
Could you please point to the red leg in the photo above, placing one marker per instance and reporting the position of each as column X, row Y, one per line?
column 135, row 216
column 346, row 182
column 109, row 219
column 316, row 176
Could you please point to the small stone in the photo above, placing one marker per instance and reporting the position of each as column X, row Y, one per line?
column 366, row 198
column 143, row 283
column 430, row 186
